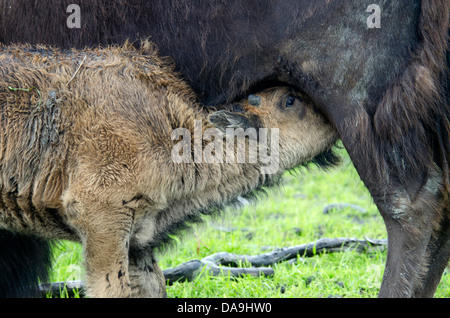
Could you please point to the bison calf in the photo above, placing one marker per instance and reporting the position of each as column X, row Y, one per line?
column 91, row 151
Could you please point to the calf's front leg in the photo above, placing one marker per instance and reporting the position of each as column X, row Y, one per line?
column 105, row 235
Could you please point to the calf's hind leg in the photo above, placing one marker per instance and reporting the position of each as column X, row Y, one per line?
column 147, row 279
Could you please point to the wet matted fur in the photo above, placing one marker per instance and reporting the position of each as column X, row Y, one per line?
column 86, row 154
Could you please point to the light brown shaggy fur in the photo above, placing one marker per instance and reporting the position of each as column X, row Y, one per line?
column 85, row 155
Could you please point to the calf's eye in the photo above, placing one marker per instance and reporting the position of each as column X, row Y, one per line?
column 290, row 101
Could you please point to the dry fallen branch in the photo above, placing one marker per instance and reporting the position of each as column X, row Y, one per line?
column 324, row 245
column 62, row 289
column 229, row 264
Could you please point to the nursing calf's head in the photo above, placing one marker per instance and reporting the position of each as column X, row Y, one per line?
column 285, row 122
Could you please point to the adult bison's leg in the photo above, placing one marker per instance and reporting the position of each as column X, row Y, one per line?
column 24, row 262
column 413, row 206
column 147, row 279
column 418, row 250
column 384, row 90
column 438, row 251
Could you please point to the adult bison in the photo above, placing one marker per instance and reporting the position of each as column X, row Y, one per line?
column 386, row 90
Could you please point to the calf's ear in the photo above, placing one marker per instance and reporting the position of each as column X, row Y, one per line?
column 223, row 119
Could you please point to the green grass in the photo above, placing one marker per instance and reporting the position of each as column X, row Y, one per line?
column 290, row 216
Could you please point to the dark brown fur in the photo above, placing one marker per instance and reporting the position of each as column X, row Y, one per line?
column 385, row 90
column 86, row 155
